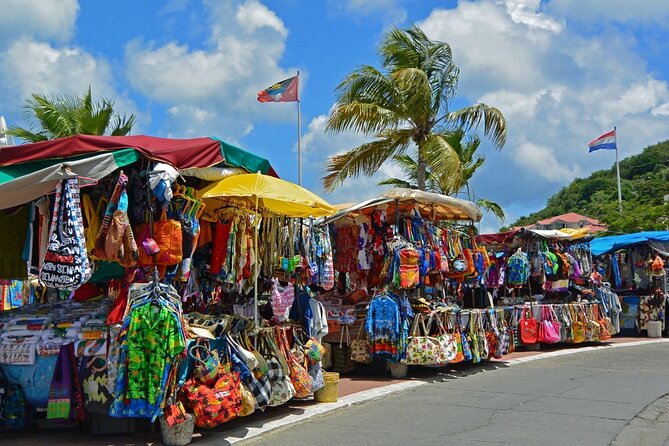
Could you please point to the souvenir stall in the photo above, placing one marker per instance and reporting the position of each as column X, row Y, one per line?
column 545, row 284
column 635, row 266
column 138, row 277
column 406, row 284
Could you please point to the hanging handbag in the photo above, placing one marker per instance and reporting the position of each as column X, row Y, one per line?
column 528, row 327
column 120, row 245
column 577, row 326
column 421, row 348
column 466, row 348
column 298, row 374
column 248, row 357
column 282, row 299
column 66, row 265
column 592, row 331
column 503, row 342
column 206, row 363
column 604, row 333
column 167, row 235
column 214, row 404
column 549, row 329
column 248, row 401
column 360, row 347
column 277, row 373
column 448, row 343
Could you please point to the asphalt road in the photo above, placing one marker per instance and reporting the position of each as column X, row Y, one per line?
column 607, row 397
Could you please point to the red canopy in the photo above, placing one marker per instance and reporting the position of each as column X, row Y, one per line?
column 180, row 153
column 500, row 238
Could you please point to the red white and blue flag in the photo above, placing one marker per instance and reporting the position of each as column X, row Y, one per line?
column 607, row 142
column 284, row 91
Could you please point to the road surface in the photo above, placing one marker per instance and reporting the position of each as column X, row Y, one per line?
column 607, row 397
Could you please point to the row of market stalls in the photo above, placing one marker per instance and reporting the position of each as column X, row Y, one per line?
column 151, row 278
column 182, row 280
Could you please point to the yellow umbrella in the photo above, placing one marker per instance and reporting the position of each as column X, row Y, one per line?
column 276, row 195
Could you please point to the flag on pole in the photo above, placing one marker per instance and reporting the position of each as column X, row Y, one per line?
column 607, row 141
column 284, row 91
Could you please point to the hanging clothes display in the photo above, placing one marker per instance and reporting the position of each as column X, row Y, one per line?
column 151, row 340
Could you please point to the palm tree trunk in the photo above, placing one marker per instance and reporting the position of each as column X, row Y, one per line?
column 420, row 172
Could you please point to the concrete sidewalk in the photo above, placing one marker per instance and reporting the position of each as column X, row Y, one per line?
column 353, row 390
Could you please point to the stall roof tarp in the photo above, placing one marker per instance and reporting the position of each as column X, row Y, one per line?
column 430, row 205
column 503, row 238
column 31, row 170
column 22, row 183
column 605, row 245
column 180, row 153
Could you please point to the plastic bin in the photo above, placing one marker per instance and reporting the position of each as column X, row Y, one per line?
column 330, row 392
column 180, row 434
column 654, row 329
column 398, row 370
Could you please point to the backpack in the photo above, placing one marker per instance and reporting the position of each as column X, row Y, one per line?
column 13, row 411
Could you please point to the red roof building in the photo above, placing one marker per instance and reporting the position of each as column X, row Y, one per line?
column 570, row 220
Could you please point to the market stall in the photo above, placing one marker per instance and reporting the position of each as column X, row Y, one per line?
column 545, row 279
column 635, row 266
column 407, row 266
column 132, row 273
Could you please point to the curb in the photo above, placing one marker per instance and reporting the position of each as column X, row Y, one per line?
column 573, row 351
column 245, row 433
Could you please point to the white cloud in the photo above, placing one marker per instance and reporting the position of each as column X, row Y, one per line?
column 207, row 90
column 40, row 19
column 558, row 86
column 606, row 11
column 253, row 15
column 526, row 12
column 38, row 67
column 542, row 161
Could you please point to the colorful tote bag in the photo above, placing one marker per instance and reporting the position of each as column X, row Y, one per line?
column 66, row 265
column 528, row 327
column 423, row 349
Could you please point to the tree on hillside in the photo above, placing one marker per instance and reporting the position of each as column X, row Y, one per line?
column 405, row 105
column 644, row 184
column 62, row 116
column 446, row 182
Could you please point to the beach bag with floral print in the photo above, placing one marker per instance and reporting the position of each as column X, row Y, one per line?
column 422, row 349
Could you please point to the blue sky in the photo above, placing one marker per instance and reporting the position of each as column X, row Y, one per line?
column 563, row 72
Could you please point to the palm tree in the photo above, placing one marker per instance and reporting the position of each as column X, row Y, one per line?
column 62, row 116
column 405, row 106
column 447, row 182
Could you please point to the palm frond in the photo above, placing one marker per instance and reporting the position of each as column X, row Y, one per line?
column 397, row 182
column 442, row 160
column 492, row 207
column 26, row 135
column 493, row 120
column 416, row 91
column 365, row 159
column 360, row 117
column 123, row 125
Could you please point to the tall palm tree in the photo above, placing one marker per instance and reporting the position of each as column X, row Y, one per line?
column 62, row 116
column 447, row 182
column 405, row 106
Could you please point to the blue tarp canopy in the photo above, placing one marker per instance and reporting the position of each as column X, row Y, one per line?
column 605, row 245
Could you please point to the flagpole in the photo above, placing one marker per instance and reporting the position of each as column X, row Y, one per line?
column 299, row 134
column 620, row 194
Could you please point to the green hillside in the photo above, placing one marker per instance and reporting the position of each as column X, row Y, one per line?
column 644, row 180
